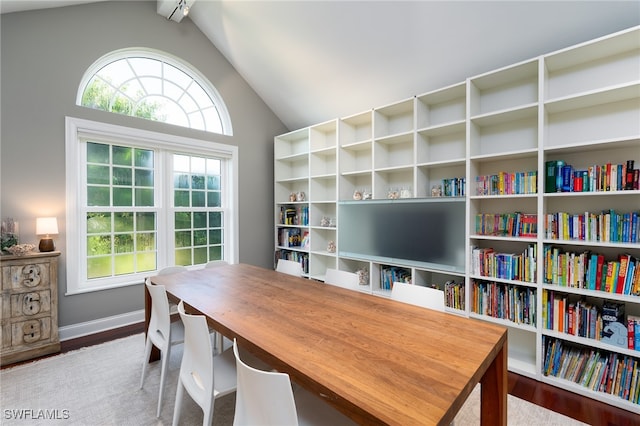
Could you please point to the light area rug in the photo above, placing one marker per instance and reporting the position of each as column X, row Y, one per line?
column 99, row 385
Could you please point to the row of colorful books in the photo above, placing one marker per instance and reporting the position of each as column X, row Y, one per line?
column 454, row 294
column 504, row 301
column 571, row 315
column 293, row 237
column 296, row 256
column 392, row 274
column 454, row 187
column 562, row 177
column 592, row 271
column 606, row 226
column 290, row 215
column 505, row 183
column 610, row 373
column 507, row 224
column 486, row 262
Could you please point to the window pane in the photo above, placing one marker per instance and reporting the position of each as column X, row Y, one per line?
column 200, row 255
column 215, row 219
column 98, row 267
column 181, row 199
column 98, row 196
column 213, row 199
column 98, row 244
column 98, row 174
column 200, row 238
column 215, row 253
column 97, row 153
column 144, row 197
column 197, row 182
column 123, row 222
column 98, row 223
column 144, row 158
column 213, row 167
column 122, row 156
column 146, row 262
column 122, row 176
column 146, row 242
column 197, row 199
column 145, row 221
column 144, row 177
column 183, row 239
column 182, row 220
column 199, row 220
column 123, row 243
column 215, row 236
column 124, row 264
column 181, row 163
column 213, row 182
column 183, row 257
column 122, row 196
column 181, row 180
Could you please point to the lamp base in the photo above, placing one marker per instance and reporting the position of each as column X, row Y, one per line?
column 46, row 244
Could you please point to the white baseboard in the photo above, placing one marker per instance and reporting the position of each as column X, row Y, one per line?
column 103, row 324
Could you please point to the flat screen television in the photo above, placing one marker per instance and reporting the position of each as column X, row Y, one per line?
column 418, row 232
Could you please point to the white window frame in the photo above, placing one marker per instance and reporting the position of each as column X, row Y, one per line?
column 79, row 130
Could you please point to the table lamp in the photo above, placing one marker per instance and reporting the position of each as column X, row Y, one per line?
column 46, row 226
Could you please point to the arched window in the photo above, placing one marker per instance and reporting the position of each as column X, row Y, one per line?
column 154, row 86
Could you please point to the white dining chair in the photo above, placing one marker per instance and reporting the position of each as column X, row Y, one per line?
column 204, row 376
column 215, row 263
column 290, row 267
column 418, row 295
column 173, row 307
column 344, row 279
column 162, row 333
column 266, row 398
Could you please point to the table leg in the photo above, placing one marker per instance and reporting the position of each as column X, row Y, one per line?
column 493, row 394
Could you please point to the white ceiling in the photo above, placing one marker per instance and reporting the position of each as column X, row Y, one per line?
column 313, row 61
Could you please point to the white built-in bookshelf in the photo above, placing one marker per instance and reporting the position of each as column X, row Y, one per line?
column 579, row 106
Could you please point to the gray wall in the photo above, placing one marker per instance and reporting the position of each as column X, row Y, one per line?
column 44, row 56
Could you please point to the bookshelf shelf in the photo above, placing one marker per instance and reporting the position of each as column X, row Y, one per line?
column 497, row 133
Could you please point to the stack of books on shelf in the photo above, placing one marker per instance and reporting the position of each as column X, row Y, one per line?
column 392, row 274
column 485, row 262
column 294, row 215
column 505, row 183
column 454, row 187
column 562, row 177
column 509, row 302
column 454, row 294
column 296, row 256
column 507, row 224
column 606, row 226
column 599, row 371
column 592, row 271
column 293, row 237
column 576, row 317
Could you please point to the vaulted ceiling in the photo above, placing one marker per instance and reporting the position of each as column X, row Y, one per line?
column 313, row 61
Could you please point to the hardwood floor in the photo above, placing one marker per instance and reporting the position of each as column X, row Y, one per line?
column 586, row 410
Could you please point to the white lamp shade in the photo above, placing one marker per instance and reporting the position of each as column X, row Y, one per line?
column 46, row 226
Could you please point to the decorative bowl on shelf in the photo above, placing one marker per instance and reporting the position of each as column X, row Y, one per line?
column 21, row 249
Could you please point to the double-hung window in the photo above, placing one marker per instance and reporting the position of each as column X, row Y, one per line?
column 138, row 201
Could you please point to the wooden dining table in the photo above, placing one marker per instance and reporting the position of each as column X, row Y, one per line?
column 377, row 360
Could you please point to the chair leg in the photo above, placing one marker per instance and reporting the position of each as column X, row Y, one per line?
column 207, row 413
column 145, row 361
column 166, row 354
column 178, row 405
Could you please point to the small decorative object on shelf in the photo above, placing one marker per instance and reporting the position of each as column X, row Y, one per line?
column 9, row 233
column 393, row 194
column 332, row 222
column 363, row 276
column 366, row 194
column 357, row 195
column 406, row 193
column 436, row 191
column 292, row 197
column 324, row 221
column 331, row 247
column 301, row 196
column 21, row 249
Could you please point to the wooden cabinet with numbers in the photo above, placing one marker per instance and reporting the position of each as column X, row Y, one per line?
column 29, row 300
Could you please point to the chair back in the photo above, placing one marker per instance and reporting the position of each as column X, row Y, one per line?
column 159, row 330
column 263, row 397
column 196, row 369
column 418, row 295
column 216, row 263
column 342, row 279
column 290, row 267
column 172, row 270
